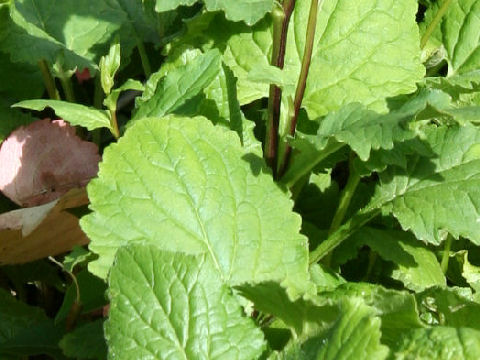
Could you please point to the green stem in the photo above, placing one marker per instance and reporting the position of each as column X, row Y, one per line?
column 302, row 80
column 48, row 80
column 281, row 19
column 114, row 124
column 372, row 259
column 434, row 23
column 147, row 69
column 342, row 233
column 346, row 197
column 98, row 93
column 67, row 87
column 446, row 253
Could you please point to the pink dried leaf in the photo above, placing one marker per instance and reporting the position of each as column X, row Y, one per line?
column 42, row 161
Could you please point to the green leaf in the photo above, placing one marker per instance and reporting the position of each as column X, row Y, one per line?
column 352, row 60
column 109, row 65
column 181, row 84
column 442, row 343
column 85, row 342
column 435, row 195
column 186, row 185
column 363, row 131
column 471, row 273
column 223, row 91
column 75, row 114
column 302, row 316
column 453, row 307
column 171, row 305
column 249, row 11
column 355, row 333
column 111, row 100
column 76, row 257
column 19, row 81
column 459, row 32
column 397, row 309
column 415, row 266
column 77, row 31
column 26, row 330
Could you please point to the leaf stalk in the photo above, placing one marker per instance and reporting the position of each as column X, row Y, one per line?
column 48, row 80
column 302, row 80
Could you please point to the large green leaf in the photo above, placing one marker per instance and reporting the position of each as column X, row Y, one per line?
column 434, row 195
column 75, row 114
column 76, row 31
column 249, row 11
column 353, row 60
column 459, row 32
column 188, row 186
column 26, row 330
column 179, row 85
column 174, row 306
column 442, row 343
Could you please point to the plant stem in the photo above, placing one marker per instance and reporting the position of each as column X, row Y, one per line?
column 48, row 80
column 434, row 23
column 281, row 18
column 114, row 123
column 302, row 80
column 67, row 87
column 446, row 253
column 342, row 233
column 147, row 69
column 346, row 197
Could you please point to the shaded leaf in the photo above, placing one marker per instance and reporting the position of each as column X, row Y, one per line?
column 85, row 342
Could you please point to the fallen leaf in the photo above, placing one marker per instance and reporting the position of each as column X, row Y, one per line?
column 42, row 161
column 34, row 233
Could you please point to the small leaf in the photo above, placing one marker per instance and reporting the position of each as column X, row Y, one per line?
column 181, row 84
column 111, row 100
column 109, row 65
column 75, row 114
column 167, row 305
column 77, row 256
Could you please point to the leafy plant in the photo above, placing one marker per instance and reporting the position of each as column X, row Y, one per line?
column 279, row 180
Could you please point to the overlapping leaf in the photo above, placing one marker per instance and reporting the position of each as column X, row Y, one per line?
column 442, row 343
column 352, row 60
column 415, row 266
column 179, row 85
column 186, row 185
column 434, row 195
column 459, row 32
column 249, row 11
column 171, row 305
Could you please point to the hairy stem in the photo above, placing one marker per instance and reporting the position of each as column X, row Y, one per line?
column 48, row 80
column 346, row 197
column 434, row 23
column 281, row 18
column 147, row 69
column 302, row 80
column 342, row 233
column 446, row 253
